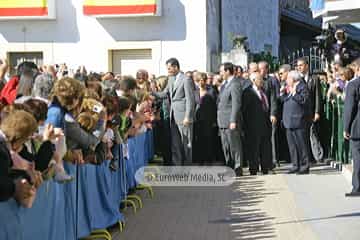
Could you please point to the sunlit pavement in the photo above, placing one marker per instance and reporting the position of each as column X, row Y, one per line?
column 255, row 207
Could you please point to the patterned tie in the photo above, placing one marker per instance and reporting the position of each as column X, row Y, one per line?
column 264, row 101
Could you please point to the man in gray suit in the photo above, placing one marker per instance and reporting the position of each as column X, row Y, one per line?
column 229, row 117
column 181, row 92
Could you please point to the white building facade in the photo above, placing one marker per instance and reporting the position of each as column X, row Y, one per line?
column 195, row 32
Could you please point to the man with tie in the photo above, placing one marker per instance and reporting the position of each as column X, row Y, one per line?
column 229, row 117
column 272, row 92
column 181, row 92
column 352, row 126
column 314, row 87
column 295, row 114
column 257, row 126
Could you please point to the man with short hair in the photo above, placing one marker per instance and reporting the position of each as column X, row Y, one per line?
column 238, row 71
column 229, row 117
column 315, row 105
column 283, row 147
column 257, row 126
column 272, row 92
column 181, row 91
column 352, row 126
column 295, row 122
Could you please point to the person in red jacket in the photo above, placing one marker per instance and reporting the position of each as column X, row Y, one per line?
column 20, row 84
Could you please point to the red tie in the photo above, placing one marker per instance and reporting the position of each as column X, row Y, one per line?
column 264, row 100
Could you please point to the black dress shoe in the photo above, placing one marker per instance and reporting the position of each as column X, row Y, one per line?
column 352, row 194
column 265, row 172
column 304, row 171
column 253, row 173
column 238, row 172
column 293, row 170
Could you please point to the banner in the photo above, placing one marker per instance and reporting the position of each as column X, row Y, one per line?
column 121, row 7
column 22, row 8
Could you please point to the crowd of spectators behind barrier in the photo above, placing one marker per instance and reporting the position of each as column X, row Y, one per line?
column 51, row 114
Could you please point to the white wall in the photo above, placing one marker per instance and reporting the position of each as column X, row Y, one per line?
column 81, row 40
column 258, row 20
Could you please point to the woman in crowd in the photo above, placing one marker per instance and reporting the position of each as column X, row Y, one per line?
column 162, row 130
column 205, row 116
column 15, row 130
column 65, row 98
column 142, row 80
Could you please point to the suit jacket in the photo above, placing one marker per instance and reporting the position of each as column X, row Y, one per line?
column 295, row 110
column 256, row 118
column 272, row 91
column 181, row 91
column 229, row 104
column 351, row 109
column 315, row 104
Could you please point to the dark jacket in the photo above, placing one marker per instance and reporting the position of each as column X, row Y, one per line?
column 315, row 103
column 256, row 118
column 351, row 109
column 206, row 109
column 295, row 111
column 42, row 157
column 7, row 186
column 272, row 90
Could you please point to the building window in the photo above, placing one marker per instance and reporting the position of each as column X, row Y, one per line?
column 129, row 61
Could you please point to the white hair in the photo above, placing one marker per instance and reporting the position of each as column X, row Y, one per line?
column 295, row 75
column 253, row 76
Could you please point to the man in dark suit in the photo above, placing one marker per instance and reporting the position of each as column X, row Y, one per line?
column 314, row 87
column 272, row 92
column 229, row 117
column 352, row 126
column 295, row 112
column 313, row 84
column 257, row 126
column 181, row 91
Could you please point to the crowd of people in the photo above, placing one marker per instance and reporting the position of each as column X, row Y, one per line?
column 50, row 115
column 237, row 117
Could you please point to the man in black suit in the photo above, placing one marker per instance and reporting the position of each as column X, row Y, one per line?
column 229, row 117
column 314, row 87
column 352, row 126
column 272, row 92
column 295, row 121
column 257, row 126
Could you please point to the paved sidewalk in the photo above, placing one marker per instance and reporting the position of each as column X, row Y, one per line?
column 262, row 207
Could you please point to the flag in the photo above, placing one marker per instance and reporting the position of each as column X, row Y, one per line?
column 120, row 7
column 15, row 8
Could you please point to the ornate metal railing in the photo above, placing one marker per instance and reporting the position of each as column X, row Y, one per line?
column 315, row 56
